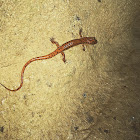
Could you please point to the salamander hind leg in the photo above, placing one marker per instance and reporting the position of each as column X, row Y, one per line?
column 83, row 47
column 63, row 54
column 80, row 33
column 54, row 42
column 57, row 44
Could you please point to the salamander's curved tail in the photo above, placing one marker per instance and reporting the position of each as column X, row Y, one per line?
column 13, row 89
column 23, row 69
column 22, row 75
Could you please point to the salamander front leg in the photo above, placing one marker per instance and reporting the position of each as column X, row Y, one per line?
column 80, row 33
column 57, row 44
column 54, row 42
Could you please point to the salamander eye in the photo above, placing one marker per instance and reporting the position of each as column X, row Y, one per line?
column 91, row 39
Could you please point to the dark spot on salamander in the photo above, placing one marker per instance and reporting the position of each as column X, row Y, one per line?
column 59, row 48
column 99, row 0
column 56, row 52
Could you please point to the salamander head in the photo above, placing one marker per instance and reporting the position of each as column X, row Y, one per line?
column 90, row 40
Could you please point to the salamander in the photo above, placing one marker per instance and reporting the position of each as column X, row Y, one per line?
column 60, row 49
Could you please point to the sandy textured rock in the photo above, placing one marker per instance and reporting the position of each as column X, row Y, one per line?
column 95, row 95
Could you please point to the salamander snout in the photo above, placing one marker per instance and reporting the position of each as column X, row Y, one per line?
column 91, row 40
column 95, row 40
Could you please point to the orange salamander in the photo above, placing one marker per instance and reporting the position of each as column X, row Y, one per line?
column 60, row 49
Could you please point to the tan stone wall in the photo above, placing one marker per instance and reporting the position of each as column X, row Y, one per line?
column 94, row 95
